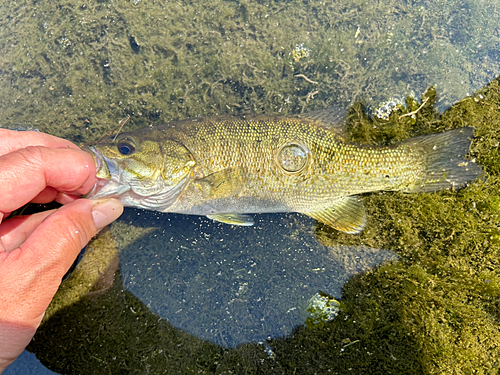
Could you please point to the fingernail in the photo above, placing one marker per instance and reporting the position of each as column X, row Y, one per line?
column 106, row 211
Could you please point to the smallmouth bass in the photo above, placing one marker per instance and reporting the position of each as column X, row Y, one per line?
column 225, row 167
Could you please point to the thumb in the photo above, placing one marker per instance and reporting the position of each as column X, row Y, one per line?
column 39, row 264
column 31, row 274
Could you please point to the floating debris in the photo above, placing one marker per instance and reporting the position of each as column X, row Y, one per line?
column 323, row 308
column 385, row 109
column 300, row 52
column 24, row 129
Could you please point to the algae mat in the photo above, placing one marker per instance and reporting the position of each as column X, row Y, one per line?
column 75, row 68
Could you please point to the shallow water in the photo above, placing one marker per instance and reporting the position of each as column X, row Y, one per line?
column 233, row 285
column 181, row 294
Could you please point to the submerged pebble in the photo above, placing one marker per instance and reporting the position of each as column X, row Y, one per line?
column 322, row 308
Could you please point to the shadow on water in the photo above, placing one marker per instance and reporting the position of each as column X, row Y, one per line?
column 192, row 288
column 231, row 285
column 115, row 333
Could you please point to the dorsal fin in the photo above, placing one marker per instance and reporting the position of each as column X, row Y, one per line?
column 332, row 118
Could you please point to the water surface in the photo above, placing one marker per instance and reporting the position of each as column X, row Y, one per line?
column 172, row 293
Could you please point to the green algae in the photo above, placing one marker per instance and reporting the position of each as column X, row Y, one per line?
column 322, row 308
column 444, row 292
column 76, row 68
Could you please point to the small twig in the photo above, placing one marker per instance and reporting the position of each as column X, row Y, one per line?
column 357, row 33
column 279, row 10
column 307, row 79
column 415, row 111
column 121, row 125
column 350, row 343
column 185, row 93
column 311, row 95
column 215, row 32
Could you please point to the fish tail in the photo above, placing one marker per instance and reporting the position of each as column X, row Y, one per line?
column 446, row 166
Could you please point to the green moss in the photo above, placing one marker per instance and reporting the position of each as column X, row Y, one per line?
column 322, row 308
column 445, row 291
column 75, row 69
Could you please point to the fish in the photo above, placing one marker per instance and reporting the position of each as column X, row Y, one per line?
column 227, row 167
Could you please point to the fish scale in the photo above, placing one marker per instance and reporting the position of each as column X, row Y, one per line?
column 334, row 165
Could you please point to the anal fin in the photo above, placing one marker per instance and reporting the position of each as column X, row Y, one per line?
column 346, row 215
column 233, row 219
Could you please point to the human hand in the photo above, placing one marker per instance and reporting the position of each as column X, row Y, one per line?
column 37, row 250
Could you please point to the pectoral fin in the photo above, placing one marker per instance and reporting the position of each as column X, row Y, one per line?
column 233, row 219
column 225, row 183
column 346, row 214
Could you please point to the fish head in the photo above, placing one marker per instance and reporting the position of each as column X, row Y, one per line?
column 141, row 172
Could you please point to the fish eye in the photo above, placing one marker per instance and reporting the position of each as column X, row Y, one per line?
column 126, row 147
column 292, row 158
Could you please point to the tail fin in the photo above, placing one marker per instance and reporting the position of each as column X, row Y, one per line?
column 446, row 166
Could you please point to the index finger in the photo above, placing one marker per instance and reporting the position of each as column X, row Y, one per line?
column 28, row 171
column 11, row 140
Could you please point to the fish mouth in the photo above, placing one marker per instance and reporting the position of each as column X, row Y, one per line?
column 112, row 182
column 108, row 177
